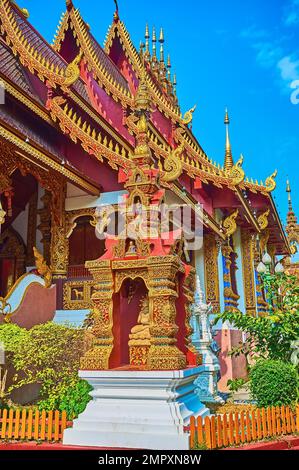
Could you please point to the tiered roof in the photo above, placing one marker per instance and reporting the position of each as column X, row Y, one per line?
column 74, row 84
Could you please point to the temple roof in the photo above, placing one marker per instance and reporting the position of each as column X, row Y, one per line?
column 74, row 102
column 12, row 69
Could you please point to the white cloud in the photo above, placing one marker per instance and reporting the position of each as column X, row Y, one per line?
column 252, row 32
column 291, row 16
column 288, row 68
column 267, row 53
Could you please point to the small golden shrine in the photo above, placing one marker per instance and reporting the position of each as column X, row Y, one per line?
column 143, row 289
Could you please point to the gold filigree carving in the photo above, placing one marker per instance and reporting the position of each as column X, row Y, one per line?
column 237, row 173
column 248, row 271
column 77, row 295
column 229, row 224
column 72, row 72
column 188, row 116
column 211, row 272
column 173, row 165
column 263, row 220
column 270, row 183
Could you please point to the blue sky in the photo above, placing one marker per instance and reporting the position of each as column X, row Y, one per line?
column 243, row 55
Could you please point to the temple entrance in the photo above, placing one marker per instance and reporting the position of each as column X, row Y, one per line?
column 127, row 325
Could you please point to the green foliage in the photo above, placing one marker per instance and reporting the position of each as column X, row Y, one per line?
column 71, row 397
column 271, row 336
column 274, row 383
column 235, row 385
column 48, row 355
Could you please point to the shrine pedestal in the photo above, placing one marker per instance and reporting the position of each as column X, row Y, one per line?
column 138, row 409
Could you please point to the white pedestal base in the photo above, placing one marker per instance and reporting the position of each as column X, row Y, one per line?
column 138, row 410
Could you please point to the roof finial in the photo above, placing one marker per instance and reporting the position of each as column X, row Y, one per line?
column 228, row 161
column 174, row 83
column 168, row 68
column 161, row 41
column 147, row 38
column 154, row 41
column 288, row 190
column 69, row 4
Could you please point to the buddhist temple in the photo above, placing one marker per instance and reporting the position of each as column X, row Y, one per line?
column 86, row 128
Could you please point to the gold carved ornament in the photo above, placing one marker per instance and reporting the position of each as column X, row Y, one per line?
column 270, row 183
column 237, row 173
column 229, row 224
column 5, row 310
column 248, row 271
column 24, row 11
column 188, row 116
column 263, row 220
column 42, row 268
column 211, row 271
column 173, row 165
column 91, row 140
column 72, row 72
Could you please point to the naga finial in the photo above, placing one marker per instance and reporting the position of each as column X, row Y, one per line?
column 237, row 173
column 72, row 72
column 270, row 182
column 173, row 165
column 188, row 117
column 263, row 220
column 229, row 224
column 23, row 11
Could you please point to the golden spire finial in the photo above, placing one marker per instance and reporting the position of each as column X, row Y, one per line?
column 168, row 67
column 154, row 41
column 228, row 161
column 161, row 41
column 147, row 38
column 288, row 190
column 174, row 83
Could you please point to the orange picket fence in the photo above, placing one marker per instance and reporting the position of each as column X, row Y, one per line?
column 32, row 425
column 233, row 429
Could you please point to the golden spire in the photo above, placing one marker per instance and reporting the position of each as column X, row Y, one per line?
column 291, row 216
column 228, row 161
column 168, row 68
column 174, row 83
column 154, row 41
column 161, row 41
column 288, row 190
column 147, row 38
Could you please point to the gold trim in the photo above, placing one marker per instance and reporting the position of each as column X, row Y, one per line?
column 26, row 147
column 16, row 93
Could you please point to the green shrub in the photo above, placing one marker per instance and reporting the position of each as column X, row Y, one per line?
column 274, row 383
column 235, row 385
column 48, row 355
column 72, row 398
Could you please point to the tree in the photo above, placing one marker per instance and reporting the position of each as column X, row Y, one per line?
column 271, row 336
